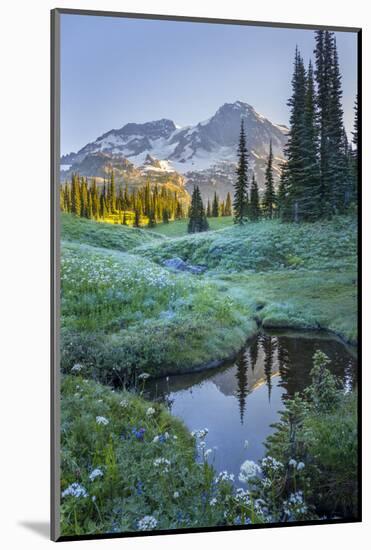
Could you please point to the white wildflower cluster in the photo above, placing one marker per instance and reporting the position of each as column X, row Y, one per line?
column 260, row 507
column 248, row 470
column 297, row 465
column 162, row 437
column 147, row 523
column 101, row 420
column 269, row 462
column 242, row 496
column 97, row 472
column 224, row 476
column 124, row 403
column 75, row 490
column 77, row 368
column 150, row 411
column 162, row 463
column 176, row 494
column 200, row 434
column 144, row 376
column 213, row 502
column 295, row 506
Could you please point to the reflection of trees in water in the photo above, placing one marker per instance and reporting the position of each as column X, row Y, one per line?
column 242, row 381
column 268, row 345
column 253, row 352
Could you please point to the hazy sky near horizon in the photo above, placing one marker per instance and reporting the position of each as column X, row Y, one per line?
column 115, row 71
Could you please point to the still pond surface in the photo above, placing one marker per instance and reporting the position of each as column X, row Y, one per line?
column 239, row 400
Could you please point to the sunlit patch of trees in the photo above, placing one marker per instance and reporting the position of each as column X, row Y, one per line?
column 146, row 205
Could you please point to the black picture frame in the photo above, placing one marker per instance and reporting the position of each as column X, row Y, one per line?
column 55, row 266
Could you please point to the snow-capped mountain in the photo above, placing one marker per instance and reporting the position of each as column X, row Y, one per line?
column 202, row 152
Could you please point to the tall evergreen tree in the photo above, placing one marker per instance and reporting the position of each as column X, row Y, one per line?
column 254, row 200
column 295, row 143
column 269, row 199
column 310, row 202
column 335, row 135
column 197, row 216
column 75, row 196
column 215, row 207
column 208, row 209
column 241, row 185
column 228, row 205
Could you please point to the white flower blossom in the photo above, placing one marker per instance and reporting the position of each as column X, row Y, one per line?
column 75, row 490
column 101, row 420
column 95, row 473
column 200, row 434
column 213, row 501
column 124, row 403
column 144, row 376
column 292, row 462
column 150, row 411
column 77, row 367
column 176, row 494
column 300, row 466
column 247, row 470
column 162, row 462
column 224, row 476
column 147, row 523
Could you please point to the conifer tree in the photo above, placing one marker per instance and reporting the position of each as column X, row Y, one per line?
column 310, row 203
column 255, row 212
column 215, row 207
column 136, row 222
column 112, row 193
column 228, row 205
column 124, row 219
column 75, row 196
column 295, row 143
column 241, row 185
column 197, row 216
column 208, row 209
column 269, row 199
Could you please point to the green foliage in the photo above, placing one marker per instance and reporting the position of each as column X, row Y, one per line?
column 125, row 461
column 122, row 314
column 241, row 186
column 103, row 235
column 315, row 443
column 197, row 217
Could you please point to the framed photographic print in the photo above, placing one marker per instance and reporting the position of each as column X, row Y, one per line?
column 206, row 181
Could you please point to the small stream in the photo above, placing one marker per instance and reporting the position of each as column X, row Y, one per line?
column 239, row 400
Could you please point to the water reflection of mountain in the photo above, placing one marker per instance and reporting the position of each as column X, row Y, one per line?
column 288, row 355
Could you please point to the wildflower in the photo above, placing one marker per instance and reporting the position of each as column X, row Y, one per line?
column 176, row 494
column 144, row 376
column 75, row 490
column 124, row 403
column 156, row 439
column 246, row 444
column 147, row 523
column 271, row 463
column 101, row 420
column 242, row 496
column 77, row 368
column 247, row 470
column 224, row 476
column 95, row 473
column 213, row 501
column 150, row 411
column 200, row 434
column 300, row 466
column 164, row 462
column 139, row 434
column 292, row 462
column 208, row 452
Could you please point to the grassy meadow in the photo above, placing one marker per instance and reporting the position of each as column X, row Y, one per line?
column 126, row 317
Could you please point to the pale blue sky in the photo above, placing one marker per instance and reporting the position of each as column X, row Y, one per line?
column 116, row 70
